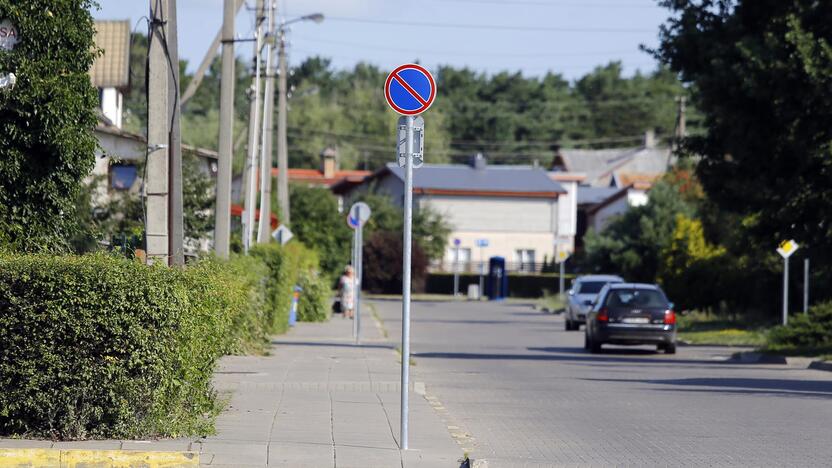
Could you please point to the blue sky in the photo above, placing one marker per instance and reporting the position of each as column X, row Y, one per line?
column 533, row 36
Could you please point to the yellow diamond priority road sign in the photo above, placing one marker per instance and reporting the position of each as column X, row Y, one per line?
column 787, row 248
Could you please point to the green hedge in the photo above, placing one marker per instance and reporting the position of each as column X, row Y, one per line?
column 809, row 334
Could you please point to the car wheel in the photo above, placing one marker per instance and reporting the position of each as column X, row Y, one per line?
column 594, row 346
column 670, row 348
column 587, row 343
column 567, row 325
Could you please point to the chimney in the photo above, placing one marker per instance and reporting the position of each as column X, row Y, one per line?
column 329, row 162
column 478, row 161
column 650, row 139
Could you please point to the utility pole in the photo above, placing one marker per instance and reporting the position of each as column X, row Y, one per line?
column 282, row 153
column 253, row 136
column 222, row 233
column 681, row 131
column 264, row 231
column 158, row 136
column 176, row 217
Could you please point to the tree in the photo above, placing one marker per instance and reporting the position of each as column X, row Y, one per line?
column 761, row 71
column 46, row 121
column 383, row 263
column 319, row 224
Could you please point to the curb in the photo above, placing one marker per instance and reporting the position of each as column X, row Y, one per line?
column 797, row 362
column 59, row 458
column 821, row 365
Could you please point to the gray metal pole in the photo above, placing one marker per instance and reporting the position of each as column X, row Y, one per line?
column 482, row 272
column 158, row 138
column 785, row 291
column 222, row 228
column 806, row 286
column 561, row 281
column 456, row 271
column 359, row 276
column 282, row 151
column 253, row 136
column 408, row 225
column 354, row 281
column 176, row 219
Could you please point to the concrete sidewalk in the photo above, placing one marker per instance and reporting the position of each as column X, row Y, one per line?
column 317, row 400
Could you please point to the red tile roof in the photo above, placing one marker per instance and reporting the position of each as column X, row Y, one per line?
column 314, row 176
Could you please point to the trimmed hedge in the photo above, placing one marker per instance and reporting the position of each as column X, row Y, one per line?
column 102, row 346
column 805, row 334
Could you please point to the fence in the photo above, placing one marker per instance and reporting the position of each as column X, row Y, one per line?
column 476, row 267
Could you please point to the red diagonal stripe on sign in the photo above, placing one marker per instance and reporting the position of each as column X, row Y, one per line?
column 409, row 89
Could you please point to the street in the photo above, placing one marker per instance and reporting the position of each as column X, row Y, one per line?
column 527, row 394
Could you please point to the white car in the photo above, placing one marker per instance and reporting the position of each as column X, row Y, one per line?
column 580, row 297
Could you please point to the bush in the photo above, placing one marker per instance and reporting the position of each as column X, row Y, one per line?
column 383, row 264
column 313, row 305
column 100, row 346
column 806, row 333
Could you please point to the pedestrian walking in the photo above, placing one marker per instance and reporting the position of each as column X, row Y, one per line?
column 346, row 289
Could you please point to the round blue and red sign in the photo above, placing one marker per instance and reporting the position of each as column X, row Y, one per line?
column 410, row 89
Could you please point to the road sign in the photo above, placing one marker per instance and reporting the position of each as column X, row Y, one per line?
column 410, row 89
column 359, row 214
column 418, row 141
column 482, row 243
column 457, row 242
column 787, row 248
column 562, row 256
column 282, row 234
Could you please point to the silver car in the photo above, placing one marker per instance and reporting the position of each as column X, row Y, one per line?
column 583, row 292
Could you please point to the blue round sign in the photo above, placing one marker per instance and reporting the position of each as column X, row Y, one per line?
column 410, row 89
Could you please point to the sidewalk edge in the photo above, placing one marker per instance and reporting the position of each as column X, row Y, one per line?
column 48, row 457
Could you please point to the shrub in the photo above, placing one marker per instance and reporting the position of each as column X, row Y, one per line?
column 806, row 333
column 383, row 264
column 100, row 346
column 313, row 305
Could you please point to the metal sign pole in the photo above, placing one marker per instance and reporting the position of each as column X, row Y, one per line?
column 806, row 286
column 560, row 278
column 786, row 291
column 354, row 282
column 456, row 271
column 359, row 276
column 408, row 221
column 482, row 271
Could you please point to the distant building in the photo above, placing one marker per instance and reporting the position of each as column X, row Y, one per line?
column 515, row 208
column 111, row 71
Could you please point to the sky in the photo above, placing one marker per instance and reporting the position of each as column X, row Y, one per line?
column 569, row 37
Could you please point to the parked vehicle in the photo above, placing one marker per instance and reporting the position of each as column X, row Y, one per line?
column 580, row 297
column 631, row 314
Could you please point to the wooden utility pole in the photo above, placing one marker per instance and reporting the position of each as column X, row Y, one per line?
column 176, row 214
column 282, row 153
column 264, row 228
column 222, row 230
column 157, row 180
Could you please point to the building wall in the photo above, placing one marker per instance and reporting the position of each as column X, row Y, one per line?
column 507, row 223
column 602, row 217
column 112, row 105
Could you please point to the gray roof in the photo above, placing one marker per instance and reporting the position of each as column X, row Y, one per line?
column 490, row 178
column 588, row 195
column 599, row 165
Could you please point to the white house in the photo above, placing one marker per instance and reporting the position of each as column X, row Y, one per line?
column 514, row 208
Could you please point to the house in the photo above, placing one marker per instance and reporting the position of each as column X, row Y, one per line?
column 516, row 209
column 111, row 71
column 611, row 180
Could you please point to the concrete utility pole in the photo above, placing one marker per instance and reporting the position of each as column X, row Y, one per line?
column 282, row 153
column 681, row 131
column 193, row 85
column 222, row 232
column 253, row 136
column 158, row 136
column 176, row 219
column 264, row 230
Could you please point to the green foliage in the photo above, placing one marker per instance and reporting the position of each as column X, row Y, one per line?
column 317, row 222
column 100, row 346
column 46, row 121
column 197, row 199
column 313, row 305
column 805, row 334
column 761, row 70
column 632, row 244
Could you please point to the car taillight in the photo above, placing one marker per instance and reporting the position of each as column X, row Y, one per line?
column 669, row 317
column 603, row 316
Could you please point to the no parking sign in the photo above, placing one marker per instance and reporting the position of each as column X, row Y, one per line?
column 410, row 89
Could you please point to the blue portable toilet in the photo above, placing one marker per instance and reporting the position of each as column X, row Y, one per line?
column 496, row 288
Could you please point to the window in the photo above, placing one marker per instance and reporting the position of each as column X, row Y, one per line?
column 636, row 299
column 590, row 287
column 122, row 176
column 524, row 259
column 463, row 263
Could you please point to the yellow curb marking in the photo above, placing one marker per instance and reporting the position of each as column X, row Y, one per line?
column 20, row 458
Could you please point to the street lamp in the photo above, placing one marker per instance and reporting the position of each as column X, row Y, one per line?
column 282, row 153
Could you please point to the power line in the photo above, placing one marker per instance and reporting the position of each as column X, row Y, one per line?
column 466, row 53
column 490, row 27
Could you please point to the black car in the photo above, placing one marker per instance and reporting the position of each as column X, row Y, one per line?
column 631, row 314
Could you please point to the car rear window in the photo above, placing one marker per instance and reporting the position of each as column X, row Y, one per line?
column 590, row 287
column 636, row 298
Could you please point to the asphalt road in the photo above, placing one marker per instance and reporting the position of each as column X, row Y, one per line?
column 527, row 394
